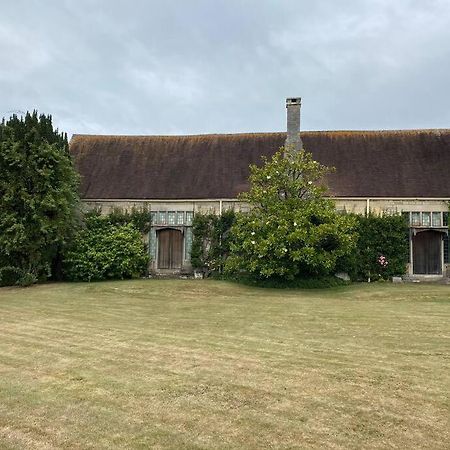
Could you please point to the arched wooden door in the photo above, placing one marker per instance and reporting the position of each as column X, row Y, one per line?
column 427, row 253
column 170, row 249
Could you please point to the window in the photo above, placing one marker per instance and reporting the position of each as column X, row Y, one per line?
column 171, row 218
column 426, row 219
column 415, row 219
column 436, row 219
column 162, row 218
column 180, row 218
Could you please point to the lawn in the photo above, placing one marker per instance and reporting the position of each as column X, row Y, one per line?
column 203, row 364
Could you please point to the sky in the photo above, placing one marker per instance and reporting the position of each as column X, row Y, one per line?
column 226, row 66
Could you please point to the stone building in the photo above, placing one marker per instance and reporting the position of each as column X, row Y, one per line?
column 384, row 172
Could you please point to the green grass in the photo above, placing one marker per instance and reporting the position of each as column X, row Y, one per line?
column 210, row 364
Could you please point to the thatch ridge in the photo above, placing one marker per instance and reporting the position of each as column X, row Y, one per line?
column 404, row 131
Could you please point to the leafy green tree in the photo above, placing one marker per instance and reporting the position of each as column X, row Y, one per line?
column 106, row 247
column 38, row 197
column 292, row 230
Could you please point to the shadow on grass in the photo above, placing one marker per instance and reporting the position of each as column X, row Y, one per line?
column 298, row 283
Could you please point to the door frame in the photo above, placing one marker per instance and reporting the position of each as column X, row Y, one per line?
column 416, row 231
column 162, row 228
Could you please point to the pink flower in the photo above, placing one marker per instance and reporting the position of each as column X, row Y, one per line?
column 382, row 261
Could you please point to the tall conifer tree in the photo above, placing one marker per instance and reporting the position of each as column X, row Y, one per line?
column 38, row 197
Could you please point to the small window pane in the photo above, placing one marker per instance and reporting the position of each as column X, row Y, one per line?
column 445, row 219
column 154, row 217
column 415, row 219
column 436, row 218
column 171, row 218
column 180, row 218
column 426, row 219
column 189, row 217
column 162, row 218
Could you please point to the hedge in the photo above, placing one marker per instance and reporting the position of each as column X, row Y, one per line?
column 382, row 248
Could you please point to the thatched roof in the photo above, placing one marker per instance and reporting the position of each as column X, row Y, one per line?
column 368, row 163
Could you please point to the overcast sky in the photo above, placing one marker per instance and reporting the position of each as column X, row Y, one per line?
column 224, row 66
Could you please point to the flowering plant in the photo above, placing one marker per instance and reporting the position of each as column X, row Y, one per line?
column 292, row 229
column 382, row 261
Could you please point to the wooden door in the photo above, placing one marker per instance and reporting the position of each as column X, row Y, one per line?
column 427, row 257
column 170, row 249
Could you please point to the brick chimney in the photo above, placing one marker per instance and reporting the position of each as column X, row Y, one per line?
column 293, row 138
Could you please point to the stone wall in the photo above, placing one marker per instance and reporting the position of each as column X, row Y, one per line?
column 354, row 205
column 215, row 206
column 390, row 206
column 201, row 206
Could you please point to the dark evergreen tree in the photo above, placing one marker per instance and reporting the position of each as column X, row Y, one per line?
column 38, row 197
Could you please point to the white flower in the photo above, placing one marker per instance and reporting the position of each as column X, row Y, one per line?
column 295, row 224
column 268, row 177
column 253, row 242
column 309, row 182
column 284, row 250
column 253, row 233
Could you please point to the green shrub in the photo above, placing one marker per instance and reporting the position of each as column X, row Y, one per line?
column 10, row 275
column 378, row 236
column 105, row 250
column 26, row 279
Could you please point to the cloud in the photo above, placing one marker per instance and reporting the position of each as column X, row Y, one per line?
column 154, row 67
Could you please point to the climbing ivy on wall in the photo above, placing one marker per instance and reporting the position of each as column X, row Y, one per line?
column 211, row 241
column 140, row 218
